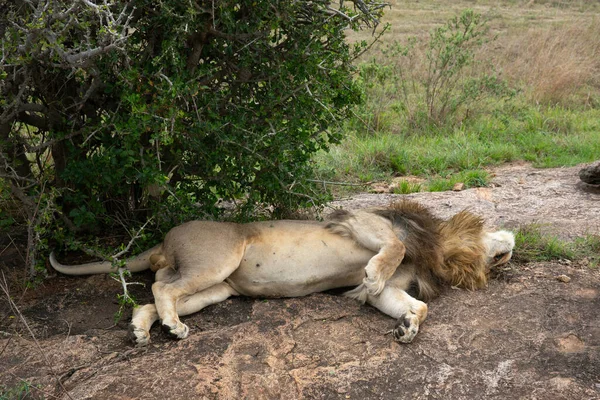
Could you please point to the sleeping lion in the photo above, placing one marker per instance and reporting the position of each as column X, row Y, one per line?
column 382, row 252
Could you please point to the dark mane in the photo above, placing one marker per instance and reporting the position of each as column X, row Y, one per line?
column 419, row 231
column 440, row 251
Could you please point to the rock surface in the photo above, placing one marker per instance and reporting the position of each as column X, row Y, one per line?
column 527, row 336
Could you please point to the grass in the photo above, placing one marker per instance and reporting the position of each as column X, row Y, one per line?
column 406, row 187
column 558, row 64
column 470, row 178
column 21, row 391
column 548, row 137
column 547, row 53
column 532, row 244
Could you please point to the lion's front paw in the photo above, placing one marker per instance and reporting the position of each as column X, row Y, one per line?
column 139, row 336
column 374, row 286
column 374, row 282
column 178, row 330
column 406, row 328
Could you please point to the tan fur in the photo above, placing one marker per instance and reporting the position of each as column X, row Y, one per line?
column 464, row 257
column 382, row 252
column 158, row 261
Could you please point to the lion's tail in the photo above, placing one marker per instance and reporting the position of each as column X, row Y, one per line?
column 134, row 264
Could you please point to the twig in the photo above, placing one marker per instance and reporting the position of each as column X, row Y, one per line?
column 337, row 183
column 72, row 371
column 319, row 102
column 133, row 239
column 4, row 288
column 166, row 78
column 69, row 325
column 7, row 343
column 126, row 298
column 333, row 11
column 375, row 40
column 12, row 242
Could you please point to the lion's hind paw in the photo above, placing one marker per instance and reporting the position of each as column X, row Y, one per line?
column 406, row 328
column 139, row 336
column 179, row 331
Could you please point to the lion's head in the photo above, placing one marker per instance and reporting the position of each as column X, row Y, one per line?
column 459, row 251
column 470, row 252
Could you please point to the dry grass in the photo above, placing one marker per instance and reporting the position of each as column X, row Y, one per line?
column 549, row 48
column 549, row 51
column 557, row 64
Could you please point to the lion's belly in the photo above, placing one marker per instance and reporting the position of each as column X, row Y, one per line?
column 297, row 259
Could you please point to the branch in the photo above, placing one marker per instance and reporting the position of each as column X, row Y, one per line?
column 369, row 11
column 75, row 58
column 90, row 4
column 34, row 120
column 337, row 183
column 8, row 171
column 11, row 110
column 333, row 11
column 51, row 142
column 133, row 239
column 126, row 298
column 33, row 107
column 115, row 258
column 319, row 102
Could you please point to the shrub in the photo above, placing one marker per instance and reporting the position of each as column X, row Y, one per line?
column 114, row 112
column 435, row 83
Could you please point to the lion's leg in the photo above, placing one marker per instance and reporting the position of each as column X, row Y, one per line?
column 409, row 311
column 145, row 316
column 142, row 320
column 377, row 235
column 213, row 295
column 383, row 265
column 398, row 304
column 192, row 276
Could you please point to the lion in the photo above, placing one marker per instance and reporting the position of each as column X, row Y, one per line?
column 383, row 253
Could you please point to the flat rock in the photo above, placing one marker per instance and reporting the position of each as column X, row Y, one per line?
column 526, row 336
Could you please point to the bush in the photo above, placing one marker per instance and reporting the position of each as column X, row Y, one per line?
column 434, row 83
column 114, row 112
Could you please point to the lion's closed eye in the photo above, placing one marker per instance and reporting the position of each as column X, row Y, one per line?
column 500, row 256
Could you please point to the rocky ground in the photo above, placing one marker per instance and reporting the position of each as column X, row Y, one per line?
column 527, row 336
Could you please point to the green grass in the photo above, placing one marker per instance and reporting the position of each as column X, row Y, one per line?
column 21, row 391
column 532, row 244
column 546, row 137
column 588, row 247
column 470, row 178
column 405, row 187
column 392, row 133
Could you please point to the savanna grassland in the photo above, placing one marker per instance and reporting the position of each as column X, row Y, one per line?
column 444, row 100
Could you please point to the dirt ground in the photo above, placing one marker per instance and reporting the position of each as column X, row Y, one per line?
column 527, row 336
